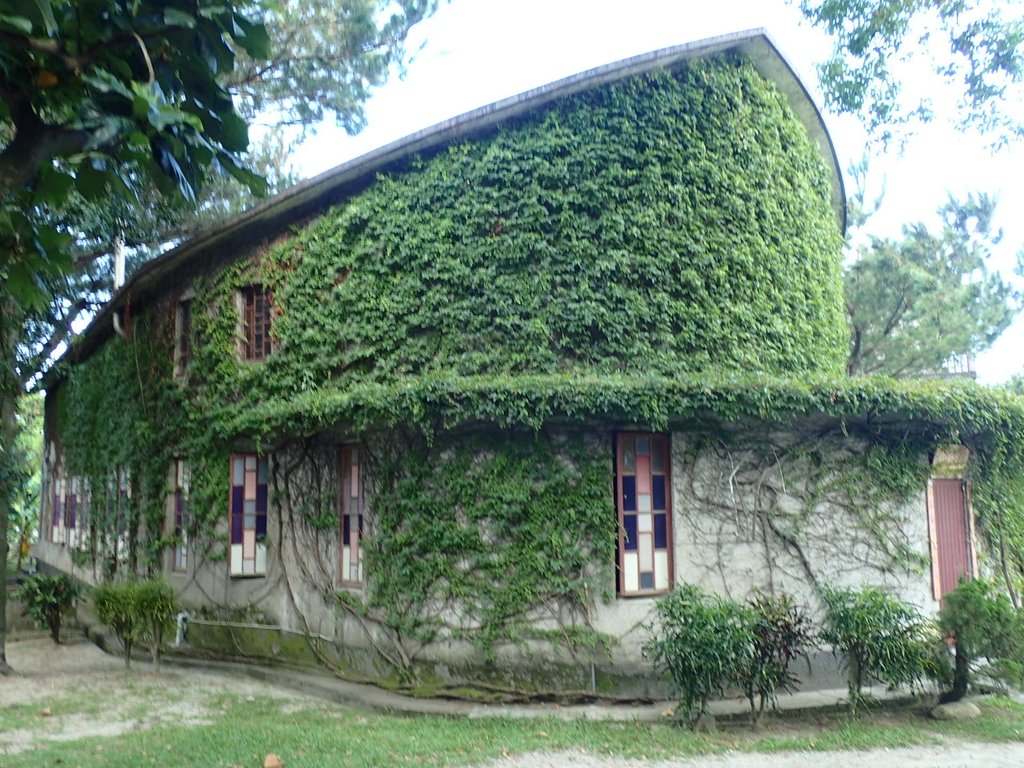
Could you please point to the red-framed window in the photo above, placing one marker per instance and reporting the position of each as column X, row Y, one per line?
column 256, row 320
column 350, row 513
column 248, row 517
column 644, row 501
column 179, row 552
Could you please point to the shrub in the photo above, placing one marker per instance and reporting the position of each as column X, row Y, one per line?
column 115, row 607
column 701, row 640
column 879, row 638
column 156, row 607
column 47, row 599
column 137, row 611
column 984, row 624
column 781, row 632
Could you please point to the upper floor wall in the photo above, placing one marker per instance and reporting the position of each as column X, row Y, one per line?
column 668, row 223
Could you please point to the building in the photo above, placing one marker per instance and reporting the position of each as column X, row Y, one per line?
column 460, row 410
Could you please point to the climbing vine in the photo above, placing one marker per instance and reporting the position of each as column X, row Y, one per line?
column 658, row 253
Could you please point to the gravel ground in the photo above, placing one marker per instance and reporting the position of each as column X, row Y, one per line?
column 954, row 755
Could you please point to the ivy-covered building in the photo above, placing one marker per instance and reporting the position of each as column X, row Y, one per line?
column 460, row 410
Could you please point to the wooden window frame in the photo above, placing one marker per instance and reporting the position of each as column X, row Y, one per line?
column 622, row 590
column 256, row 304
column 354, row 475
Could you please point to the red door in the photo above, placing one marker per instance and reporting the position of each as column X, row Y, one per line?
column 951, row 534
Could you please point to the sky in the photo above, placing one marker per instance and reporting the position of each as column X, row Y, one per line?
column 475, row 52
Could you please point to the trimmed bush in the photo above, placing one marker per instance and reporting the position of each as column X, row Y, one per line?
column 879, row 638
column 984, row 624
column 47, row 599
column 115, row 607
column 156, row 606
column 700, row 640
column 708, row 643
column 137, row 611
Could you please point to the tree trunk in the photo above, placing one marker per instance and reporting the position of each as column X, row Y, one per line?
column 961, row 678
column 9, row 329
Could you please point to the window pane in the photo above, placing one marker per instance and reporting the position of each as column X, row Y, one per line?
column 628, row 455
column 658, row 454
column 658, row 488
column 629, row 527
column 629, row 493
column 660, row 531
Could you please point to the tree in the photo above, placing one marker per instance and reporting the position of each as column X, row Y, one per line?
column 96, row 98
column 24, row 512
column 916, row 302
column 326, row 56
column 982, row 59
column 101, row 100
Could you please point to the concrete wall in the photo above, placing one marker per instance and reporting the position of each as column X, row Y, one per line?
column 743, row 520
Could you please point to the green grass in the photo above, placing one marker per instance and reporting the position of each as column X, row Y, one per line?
column 244, row 731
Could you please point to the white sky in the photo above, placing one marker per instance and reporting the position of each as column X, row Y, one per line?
column 478, row 51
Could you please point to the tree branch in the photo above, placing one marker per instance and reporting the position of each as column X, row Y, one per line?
column 35, row 143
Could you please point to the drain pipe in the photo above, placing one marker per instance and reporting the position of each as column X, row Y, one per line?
column 118, row 277
column 182, row 621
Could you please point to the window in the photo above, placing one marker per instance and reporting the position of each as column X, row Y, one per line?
column 64, row 523
column 183, row 337
column 351, row 513
column 248, row 520
column 122, row 502
column 179, row 554
column 57, row 520
column 951, row 530
column 256, row 306
column 74, row 511
column 643, row 498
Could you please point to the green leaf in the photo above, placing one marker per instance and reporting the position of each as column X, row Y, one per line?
column 17, row 23
column 24, row 285
column 54, row 186
column 90, row 182
column 177, row 18
column 256, row 183
column 46, row 14
column 253, row 37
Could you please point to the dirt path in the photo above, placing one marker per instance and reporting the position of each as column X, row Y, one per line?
column 60, row 691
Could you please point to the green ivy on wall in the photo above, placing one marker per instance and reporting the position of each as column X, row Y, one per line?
column 485, row 538
column 655, row 253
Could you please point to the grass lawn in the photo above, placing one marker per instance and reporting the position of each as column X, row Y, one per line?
column 240, row 732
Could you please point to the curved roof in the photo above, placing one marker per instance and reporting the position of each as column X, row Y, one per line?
column 276, row 215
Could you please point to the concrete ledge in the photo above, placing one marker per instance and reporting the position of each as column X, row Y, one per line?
column 331, row 688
